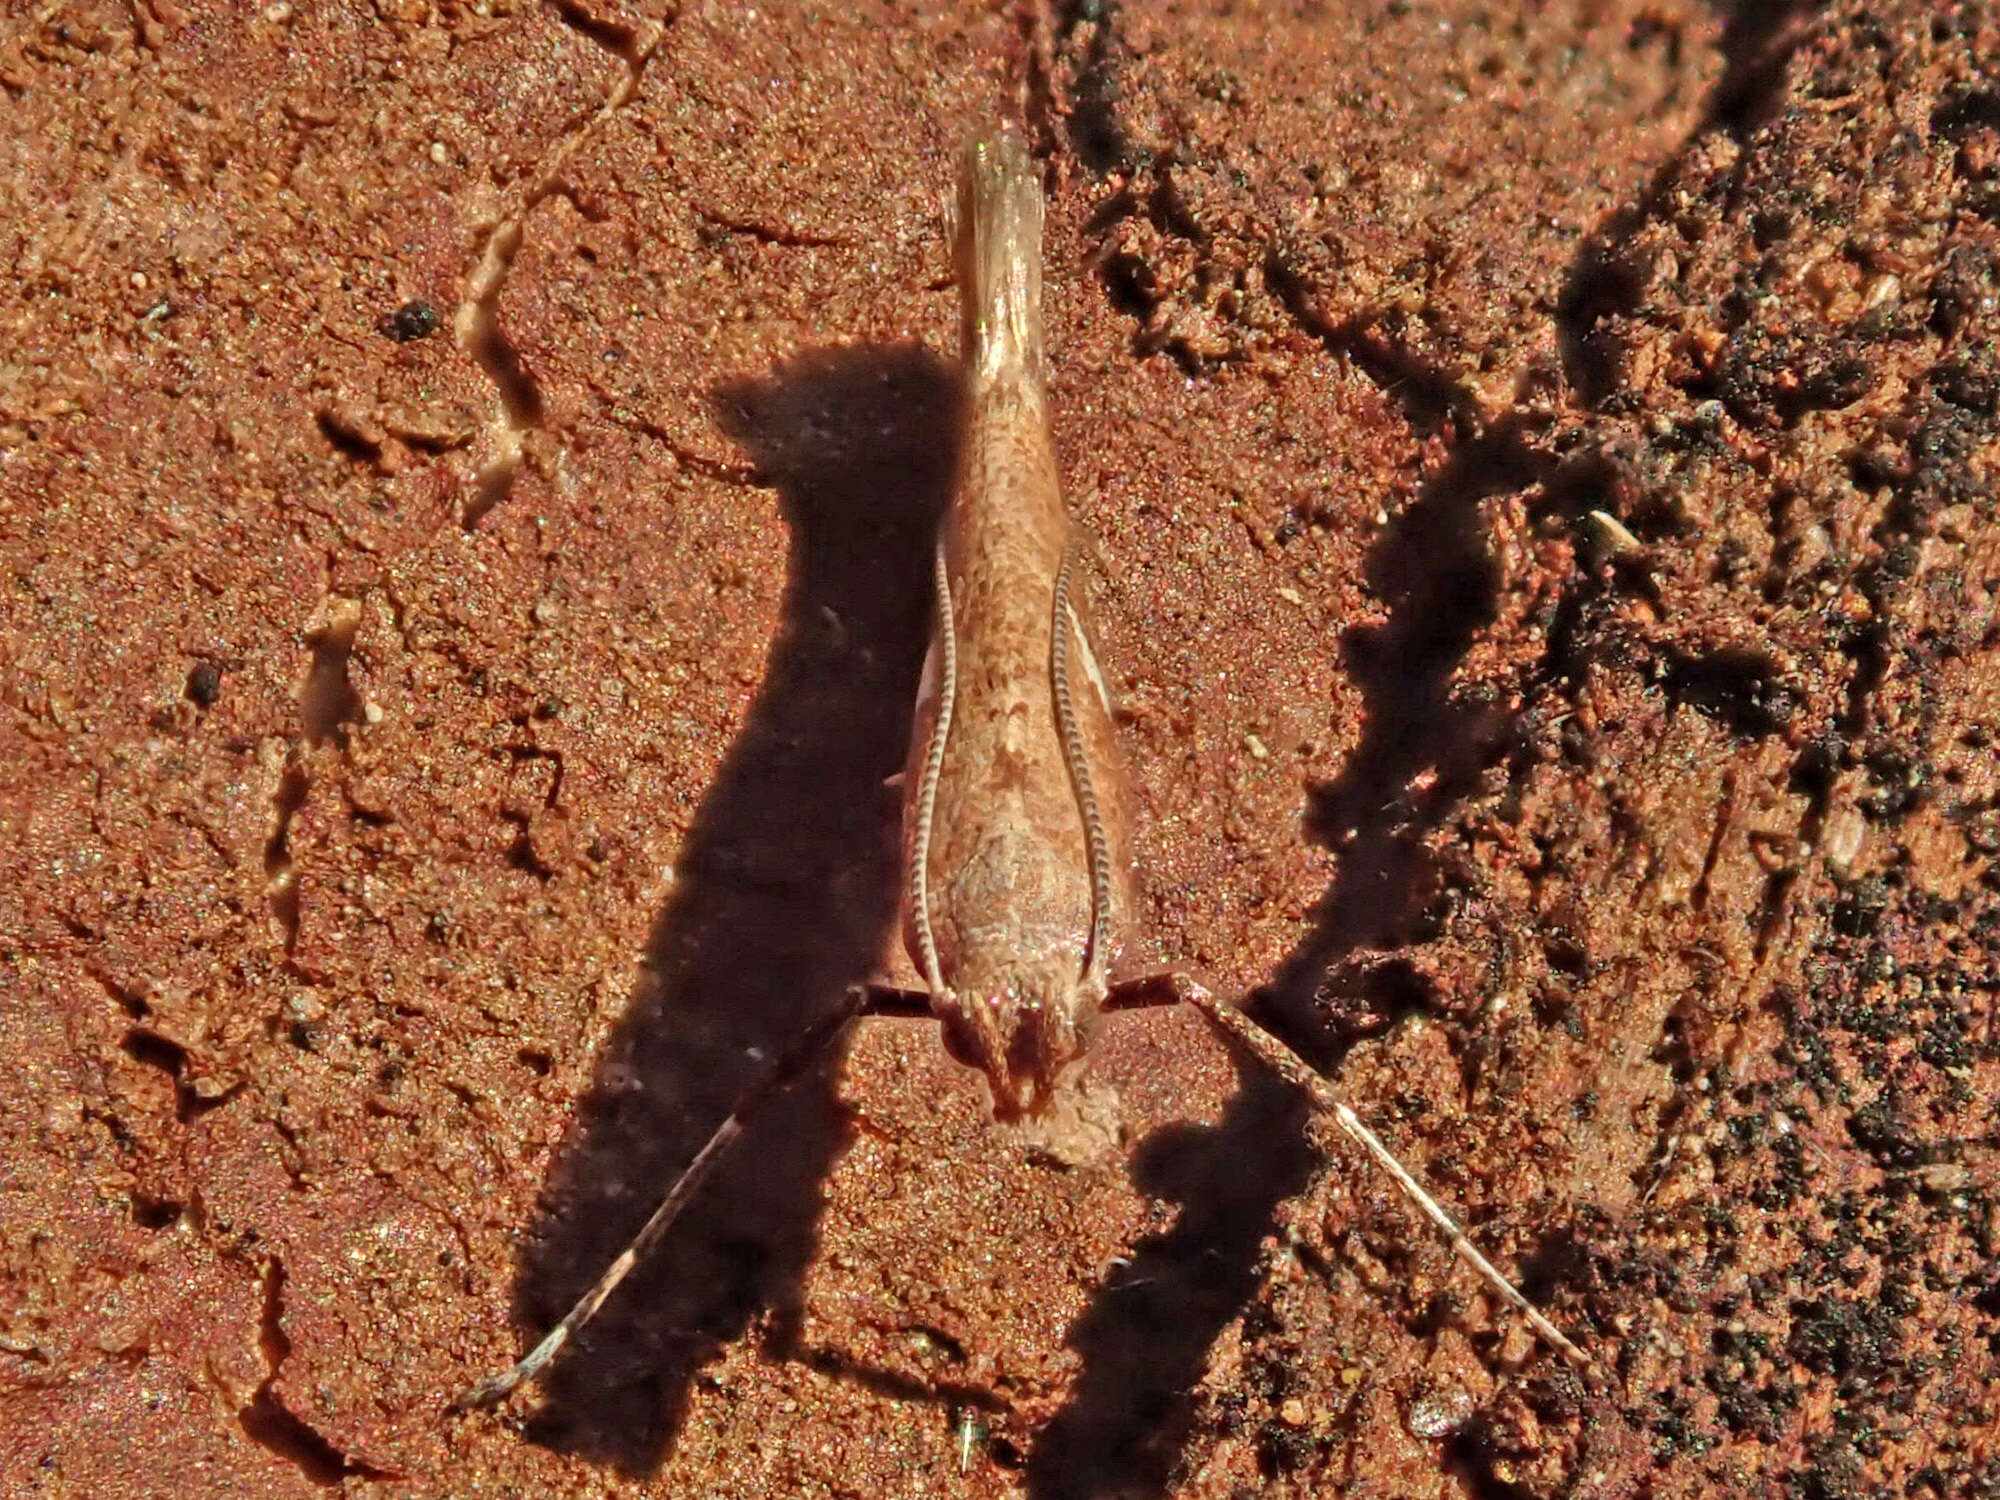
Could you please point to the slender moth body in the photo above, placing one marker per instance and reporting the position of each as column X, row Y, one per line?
column 1017, row 885
column 1017, row 893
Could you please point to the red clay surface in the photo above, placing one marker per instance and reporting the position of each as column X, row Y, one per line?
column 465, row 479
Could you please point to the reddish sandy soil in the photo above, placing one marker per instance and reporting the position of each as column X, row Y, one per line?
column 465, row 479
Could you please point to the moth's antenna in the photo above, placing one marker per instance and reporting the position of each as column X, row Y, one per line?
column 796, row 1059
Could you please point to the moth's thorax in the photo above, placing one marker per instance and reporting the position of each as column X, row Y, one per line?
column 1023, row 1026
column 1012, row 906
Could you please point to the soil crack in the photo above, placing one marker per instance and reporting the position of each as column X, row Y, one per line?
column 518, row 410
column 328, row 703
column 1431, row 400
column 272, row 1426
column 771, row 234
column 739, row 475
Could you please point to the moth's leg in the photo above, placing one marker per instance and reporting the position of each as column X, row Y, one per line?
column 1158, row 989
column 796, row 1059
column 891, row 1000
column 1147, row 991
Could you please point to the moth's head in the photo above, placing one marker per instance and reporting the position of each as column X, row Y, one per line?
column 1023, row 1027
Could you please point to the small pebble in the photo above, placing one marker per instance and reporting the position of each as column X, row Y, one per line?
column 204, row 684
column 415, row 319
column 1440, row 1413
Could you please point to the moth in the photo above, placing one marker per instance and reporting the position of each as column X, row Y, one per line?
column 1018, row 889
